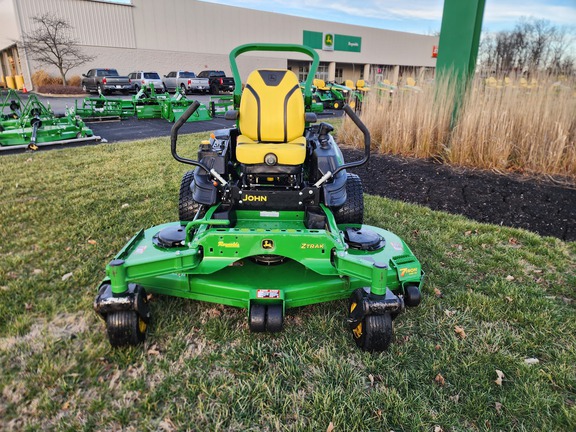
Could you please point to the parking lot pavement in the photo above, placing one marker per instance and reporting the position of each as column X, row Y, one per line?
column 133, row 129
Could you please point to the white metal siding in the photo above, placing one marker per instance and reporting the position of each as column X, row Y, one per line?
column 165, row 35
column 95, row 23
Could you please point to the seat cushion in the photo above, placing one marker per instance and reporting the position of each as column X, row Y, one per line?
column 251, row 152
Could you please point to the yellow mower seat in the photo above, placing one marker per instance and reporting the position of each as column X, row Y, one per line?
column 271, row 118
column 320, row 84
column 361, row 86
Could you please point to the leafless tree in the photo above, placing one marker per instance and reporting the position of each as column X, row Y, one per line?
column 51, row 43
column 532, row 46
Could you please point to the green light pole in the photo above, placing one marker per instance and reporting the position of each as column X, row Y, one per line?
column 458, row 46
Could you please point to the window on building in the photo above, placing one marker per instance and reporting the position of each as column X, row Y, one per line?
column 322, row 72
column 339, row 74
column 302, row 73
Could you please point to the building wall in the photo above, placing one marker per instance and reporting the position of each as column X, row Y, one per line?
column 193, row 35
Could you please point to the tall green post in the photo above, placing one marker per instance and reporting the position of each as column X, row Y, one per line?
column 458, row 45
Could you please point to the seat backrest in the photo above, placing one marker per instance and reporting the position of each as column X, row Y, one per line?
column 410, row 81
column 272, row 106
column 317, row 82
column 360, row 83
column 349, row 84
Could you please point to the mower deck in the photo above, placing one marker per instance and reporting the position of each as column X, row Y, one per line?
column 236, row 265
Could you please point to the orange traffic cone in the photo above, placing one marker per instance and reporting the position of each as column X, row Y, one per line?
column 24, row 90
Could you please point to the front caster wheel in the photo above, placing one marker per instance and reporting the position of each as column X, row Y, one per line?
column 257, row 318
column 373, row 333
column 125, row 328
column 274, row 318
column 412, row 296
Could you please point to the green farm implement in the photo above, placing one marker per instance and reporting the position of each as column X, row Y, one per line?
column 173, row 108
column 103, row 108
column 219, row 105
column 269, row 219
column 32, row 124
column 149, row 104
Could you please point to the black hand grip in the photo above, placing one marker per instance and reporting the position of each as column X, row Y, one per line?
column 366, row 134
column 174, row 137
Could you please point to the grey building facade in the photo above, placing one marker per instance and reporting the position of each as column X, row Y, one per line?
column 193, row 35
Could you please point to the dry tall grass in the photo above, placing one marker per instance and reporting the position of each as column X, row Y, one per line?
column 504, row 128
column 42, row 78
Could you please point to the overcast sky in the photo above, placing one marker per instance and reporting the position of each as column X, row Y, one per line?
column 415, row 16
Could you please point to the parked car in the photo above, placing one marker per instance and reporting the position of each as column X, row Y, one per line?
column 218, row 81
column 105, row 81
column 185, row 80
column 141, row 78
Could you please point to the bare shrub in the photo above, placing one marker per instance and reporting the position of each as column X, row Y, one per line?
column 41, row 78
column 74, row 81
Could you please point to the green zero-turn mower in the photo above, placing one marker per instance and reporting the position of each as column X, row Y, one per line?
column 268, row 219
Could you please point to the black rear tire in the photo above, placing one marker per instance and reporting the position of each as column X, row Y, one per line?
column 352, row 212
column 187, row 207
column 125, row 328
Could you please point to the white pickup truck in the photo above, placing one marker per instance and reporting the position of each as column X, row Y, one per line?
column 187, row 81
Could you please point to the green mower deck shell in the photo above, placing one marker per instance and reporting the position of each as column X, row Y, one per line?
column 60, row 130
column 316, row 261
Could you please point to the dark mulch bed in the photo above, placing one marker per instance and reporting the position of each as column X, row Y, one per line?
column 537, row 205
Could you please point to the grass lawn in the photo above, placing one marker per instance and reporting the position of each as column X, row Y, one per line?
column 495, row 299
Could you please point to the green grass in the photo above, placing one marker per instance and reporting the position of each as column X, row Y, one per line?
column 70, row 210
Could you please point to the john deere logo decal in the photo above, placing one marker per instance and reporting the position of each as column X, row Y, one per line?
column 267, row 244
column 328, row 42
